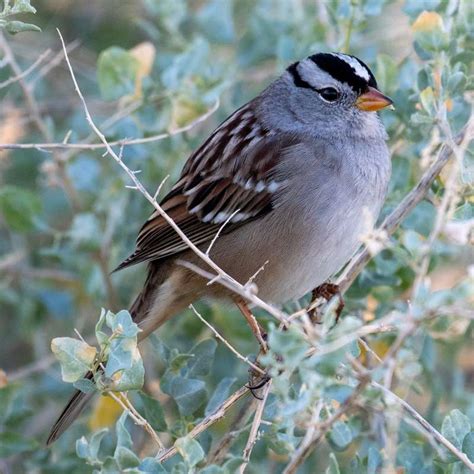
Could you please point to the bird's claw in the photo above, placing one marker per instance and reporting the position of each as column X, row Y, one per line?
column 327, row 291
column 257, row 380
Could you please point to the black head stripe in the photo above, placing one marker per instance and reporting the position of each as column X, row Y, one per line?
column 372, row 81
column 343, row 71
column 297, row 79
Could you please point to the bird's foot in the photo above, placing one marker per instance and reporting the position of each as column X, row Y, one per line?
column 327, row 291
column 257, row 381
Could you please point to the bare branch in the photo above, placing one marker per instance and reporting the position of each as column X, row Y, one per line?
column 123, row 142
column 28, row 70
column 309, row 443
column 227, row 343
column 427, row 426
column 257, row 420
column 215, row 416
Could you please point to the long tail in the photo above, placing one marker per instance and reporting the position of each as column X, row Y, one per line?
column 138, row 310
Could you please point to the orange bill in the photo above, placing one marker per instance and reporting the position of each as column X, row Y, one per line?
column 373, row 100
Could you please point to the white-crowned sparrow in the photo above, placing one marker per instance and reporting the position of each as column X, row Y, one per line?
column 297, row 168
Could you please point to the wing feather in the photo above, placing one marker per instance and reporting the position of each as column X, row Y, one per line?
column 232, row 172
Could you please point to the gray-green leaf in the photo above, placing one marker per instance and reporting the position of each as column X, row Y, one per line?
column 190, row 450
column 75, row 357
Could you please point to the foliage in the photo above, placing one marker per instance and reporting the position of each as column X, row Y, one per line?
column 16, row 26
column 66, row 219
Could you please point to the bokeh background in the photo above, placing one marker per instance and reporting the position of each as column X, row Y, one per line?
column 67, row 219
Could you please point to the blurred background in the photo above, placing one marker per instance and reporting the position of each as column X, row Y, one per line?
column 153, row 67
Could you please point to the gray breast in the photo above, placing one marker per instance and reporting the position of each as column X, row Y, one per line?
column 317, row 221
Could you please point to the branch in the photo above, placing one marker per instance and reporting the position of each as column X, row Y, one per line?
column 28, row 70
column 122, row 399
column 122, row 143
column 257, row 420
column 227, row 343
column 427, row 426
column 30, row 99
column 218, row 413
column 309, row 443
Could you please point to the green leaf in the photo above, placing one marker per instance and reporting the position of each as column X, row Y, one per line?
column 123, row 436
column 201, row 364
column 189, row 394
column 89, row 450
column 76, row 357
column 126, row 458
column 178, row 361
column 341, row 435
column 338, row 392
column 19, row 208
column 82, row 448
column 132, row 378
column 290, row 346
column 410, row 456
column 22, row 6
column 85, row 385
column 14, row 443
column 117, row 71
column 154, row 413
column 15, row 26
column 220, row 394
column 374, row 460
column 151, row 466
column 124, row 363
column 95, row 442
column 468, row 446
column 333, row 467
column 213, row 470
column 455, row 427
column 190, row 450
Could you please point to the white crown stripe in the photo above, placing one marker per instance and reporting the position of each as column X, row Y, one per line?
column 360, row 70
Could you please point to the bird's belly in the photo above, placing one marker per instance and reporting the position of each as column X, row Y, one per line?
column 296, row 255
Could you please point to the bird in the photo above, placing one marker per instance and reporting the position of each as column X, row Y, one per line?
column 287, row 180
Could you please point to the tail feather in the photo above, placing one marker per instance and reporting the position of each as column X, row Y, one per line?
column 138, row 310
column 71, row 411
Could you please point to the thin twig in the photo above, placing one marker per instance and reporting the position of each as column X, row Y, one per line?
column 54, row 62
column 238, row 425
column 123, row 142
column 31, row 369
column 227, row 343
column 257, row 420
column 307, row 446
column 122, row 399
column 28, row 70
column 427, row 426
column 215, row 416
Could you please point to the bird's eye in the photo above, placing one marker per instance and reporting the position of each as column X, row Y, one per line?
column 329, row 94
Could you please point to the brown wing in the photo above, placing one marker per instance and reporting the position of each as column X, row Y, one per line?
column 231, row 176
